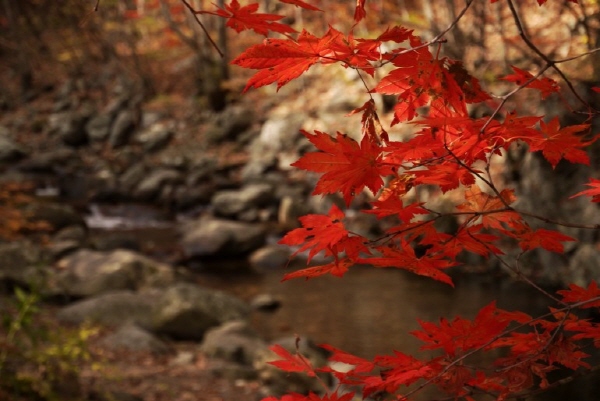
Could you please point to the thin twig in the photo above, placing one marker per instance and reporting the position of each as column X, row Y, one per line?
column 548, row 61
column 438, row 38
column 210, row 39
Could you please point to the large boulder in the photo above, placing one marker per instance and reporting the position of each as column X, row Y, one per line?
column 236, row 203
column 270, row 257
column 230, row 124
column 186, row 311
column 233, row 341
column 21, row 263
column 69, row 127
column 113, row 309
column 10, row 151
column 50, row 160
column 57, row 215
column 154, row 138
column 131, row 337
column 86, row 273
column 209, row 237
column 278, row 137
column 152, row 184
column 98, row 127
column 122, row 129
column 584, row 266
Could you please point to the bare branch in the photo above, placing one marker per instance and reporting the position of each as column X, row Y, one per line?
column 210, row 39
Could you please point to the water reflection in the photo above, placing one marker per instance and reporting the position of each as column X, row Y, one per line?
column 372, row 311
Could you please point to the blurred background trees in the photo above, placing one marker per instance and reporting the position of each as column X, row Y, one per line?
column 150, row 40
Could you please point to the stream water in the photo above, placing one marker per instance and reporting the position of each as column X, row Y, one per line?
column 370, row 311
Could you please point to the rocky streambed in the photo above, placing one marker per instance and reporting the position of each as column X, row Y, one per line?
column 217, row 190
column 164, row 230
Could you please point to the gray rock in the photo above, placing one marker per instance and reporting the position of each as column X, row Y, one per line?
column 155, row 138
column 186, row 311
column 131, row 337
column 10, row 151
column 150, row 187
column 216, row 237
column 69, row 127
column 98, row 127
column 132, row 177
column 230, row 124
column 255, row 169
column 118, row 103
column 48, row 161
column 150, row 117
column 270, row 257
column 57, row 215
column 230, row 203
column 76, row 233
column 186, row 197
column 265, row 303
column 233, row 341
column 291, row 208
column 21, row 263
column 183, row 358
column 279, row 132
column 584, row 266
column 86, row 273
column 202, row 170
column 60, row 249
column 174, row 160
column 116, row 240
column 122, row 129
column 113, row 309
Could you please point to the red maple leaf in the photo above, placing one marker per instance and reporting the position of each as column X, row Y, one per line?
column 371, row 125
column 356, row 53
column 397, row 370
column 281, row 60
column 541, row 2
column 421, row 147
column 542, row 238
column 545, row 85
column 461, row 335
column 359, row 12
column 336, row 268
column 318, row 233
column 447, row 176
column 290, row 362
column 561, row 143
column 594, row 191
column 394, row 206
column 301, row 4
column 469, row 239
column 420, row 79
column 360, row 365
column 576, row 294
column 404, row 258
column 246, row 17
column 493, row 210
column 347, row 166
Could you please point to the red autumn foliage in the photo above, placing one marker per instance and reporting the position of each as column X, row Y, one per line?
column 450, row 150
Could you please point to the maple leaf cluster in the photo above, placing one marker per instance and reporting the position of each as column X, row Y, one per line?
column 450, row 150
